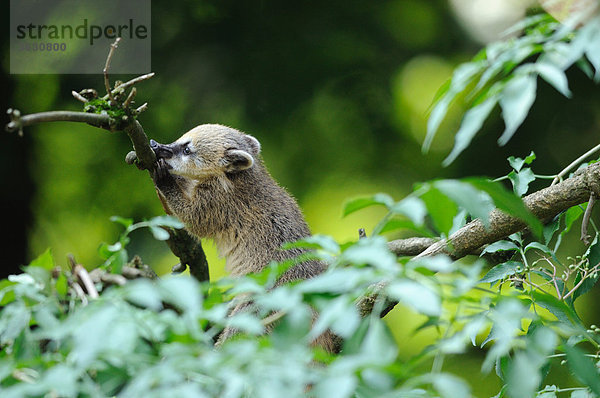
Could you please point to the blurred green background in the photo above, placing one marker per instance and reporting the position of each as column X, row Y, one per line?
column 337, row 92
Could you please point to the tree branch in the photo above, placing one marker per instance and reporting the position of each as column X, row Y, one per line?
column 18, row 122
column 410, row 246
column 182, row 244
column 544, row 204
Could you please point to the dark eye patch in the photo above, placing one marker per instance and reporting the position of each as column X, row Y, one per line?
column 184, row 148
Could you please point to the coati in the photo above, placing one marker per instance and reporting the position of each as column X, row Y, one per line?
column 214, row 180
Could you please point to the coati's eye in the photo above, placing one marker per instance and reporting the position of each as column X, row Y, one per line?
column 187, row 150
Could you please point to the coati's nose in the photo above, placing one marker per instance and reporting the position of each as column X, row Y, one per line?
column 161, row 150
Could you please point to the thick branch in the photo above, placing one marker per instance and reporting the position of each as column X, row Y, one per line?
column 190, row 252
column 410, row 246
column 544, row 204
column 93, row 119
column 139, row 139
column 182, row 244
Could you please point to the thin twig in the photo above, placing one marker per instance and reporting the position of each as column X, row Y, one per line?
column 85, row 279
column 130, row 98
column 558, row 292
column 113, row 47
column 274, row 317
column 80, row 293
column 141, row 108
column 128, row 83
column 566, row 296
column 585, row 237
column 586, row 273
column 517, row 279
column 574, row 163
column 79, row 97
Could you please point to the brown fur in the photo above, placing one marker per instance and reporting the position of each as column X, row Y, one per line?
column 221, row 190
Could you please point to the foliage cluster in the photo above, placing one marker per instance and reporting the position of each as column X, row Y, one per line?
column 155, row 338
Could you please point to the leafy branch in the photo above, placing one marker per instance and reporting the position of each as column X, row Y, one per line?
column 498, row 76
column 115, row 111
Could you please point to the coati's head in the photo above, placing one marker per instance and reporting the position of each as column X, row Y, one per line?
column 209, row 150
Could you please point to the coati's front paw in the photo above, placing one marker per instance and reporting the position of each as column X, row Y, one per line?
column 160, row 174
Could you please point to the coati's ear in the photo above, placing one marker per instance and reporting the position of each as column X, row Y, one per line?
column 237, row 160
column 253, row 143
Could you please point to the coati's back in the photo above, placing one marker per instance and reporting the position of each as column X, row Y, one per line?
column 218, row 186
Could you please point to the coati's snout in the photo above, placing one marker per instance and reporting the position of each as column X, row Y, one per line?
column 162, row 151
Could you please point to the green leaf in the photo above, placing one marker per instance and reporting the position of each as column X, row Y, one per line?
column 116, row 262
column 470, row 125
column 593, row 256
column 522, row 376
column 583, row 368
column 538, row 246
column 61, row 380
column 14, row 318
column 592, row 44
column 396, row 224
column 316, row 242
column 182, row 292
column 44, row 260
column 166, row 221
column 361, row 203
column 550, row 229
column 507, row 317
column 440, row 208
column 411, row 207
column 90, row 331
column 593, row 253
column 340, row 386
column 477, row 203
column 527, row 368
column 516, row 99
column 571, row 215
column 378, row 346
column 159, row 233
column 7, row 294
column 556, row 307
column 521, row 180
column 450, row 386
column 373, row 251
column 337, row 281
column 143, row 293
column 501, row 271
column 416, row 295
column 508, row 202
column 583, row 393
column 554, row 75
column 585, row 286
column 436, row 117
column 340, row 316
column 518, row 163
column 500, row 246
column 126, row 222
column 462, row 76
